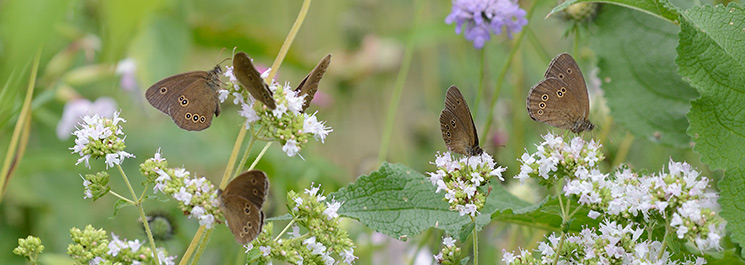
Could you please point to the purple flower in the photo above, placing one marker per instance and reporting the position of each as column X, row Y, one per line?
column 483, row 17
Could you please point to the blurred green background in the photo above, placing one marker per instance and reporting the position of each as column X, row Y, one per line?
column 81, row 43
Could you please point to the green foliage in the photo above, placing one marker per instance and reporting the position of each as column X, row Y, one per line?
column 641, row 85
column 711, row 56
column 732, row 195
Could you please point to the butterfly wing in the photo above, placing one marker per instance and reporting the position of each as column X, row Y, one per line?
column 241, row 203
column 189, row 98
column 548, row 102
column 250, row 78
column 565, row 68
column 456, row 124
column 309, row 85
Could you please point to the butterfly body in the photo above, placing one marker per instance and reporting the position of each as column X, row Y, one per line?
column 189, row 98
column 241, row 203
column 561, row 99
column 456, row 124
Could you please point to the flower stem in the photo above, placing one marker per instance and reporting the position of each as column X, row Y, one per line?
column 121, row 197
column 403, row 70
column 288, row 40
column 475, row 243
column 261, row 154
column 202, row 246
column 19, row 139
column 664, row 239
column 138, row 204
column 503, row 73
column 285, row 229
column 245, row 155
column 233, row 156
column 192, row 245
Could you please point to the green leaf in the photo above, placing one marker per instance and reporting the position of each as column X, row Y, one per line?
column 546, row 215
column 711, row 56
column 401, row 203
column 660, row 8
column 731, row 196
column 642, row 87
column 466, row 231
column 118, row 205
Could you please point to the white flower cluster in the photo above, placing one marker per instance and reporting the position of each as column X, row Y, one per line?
column 131, row 248
column 325, row 242
column 196, row 196
column 555, row 159
column 679, row 195
column 287, row 123
column 461, row 178
column 331, row 207
column 612, row 243
column 97, row 137
column 449, row 244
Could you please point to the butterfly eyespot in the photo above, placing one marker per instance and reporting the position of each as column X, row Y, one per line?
column 253, row 181
column 448, row 133
column 183, row 100
column 542, row 105
column 196, row 117
column 559, row 93
column 256, row 192
column 163, row 90
column 569, row 70
column 247, row 210
column 448, row 141
column 563, row 89
column 248, row 225
column 544, row 97
column 561, row 76
column 201, row 119
column 245, row 228
column 242, row 234
column 188, row 116
column 452, row 123
column 540, row 112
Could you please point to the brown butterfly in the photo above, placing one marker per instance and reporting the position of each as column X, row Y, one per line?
column 241, row 203
column 250, row 78
column 189, row 98
column 457, row 126
column 309, row 85
column 561, row 99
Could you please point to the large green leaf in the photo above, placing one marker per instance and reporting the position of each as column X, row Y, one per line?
column 732, row 194
column 660, row 8
column 401, row 203
column 711, row 56
column 636, row 57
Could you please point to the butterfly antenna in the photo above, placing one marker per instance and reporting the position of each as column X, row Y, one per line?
column 218, row 56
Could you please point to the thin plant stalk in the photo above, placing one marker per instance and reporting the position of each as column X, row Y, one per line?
column 202, row 246
column 503, row 72
column 261, row 154
column 398, row 87
column 475, row 242
column 245, row 155
column 19, row 139
column 138, row 204
column 192, row 246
